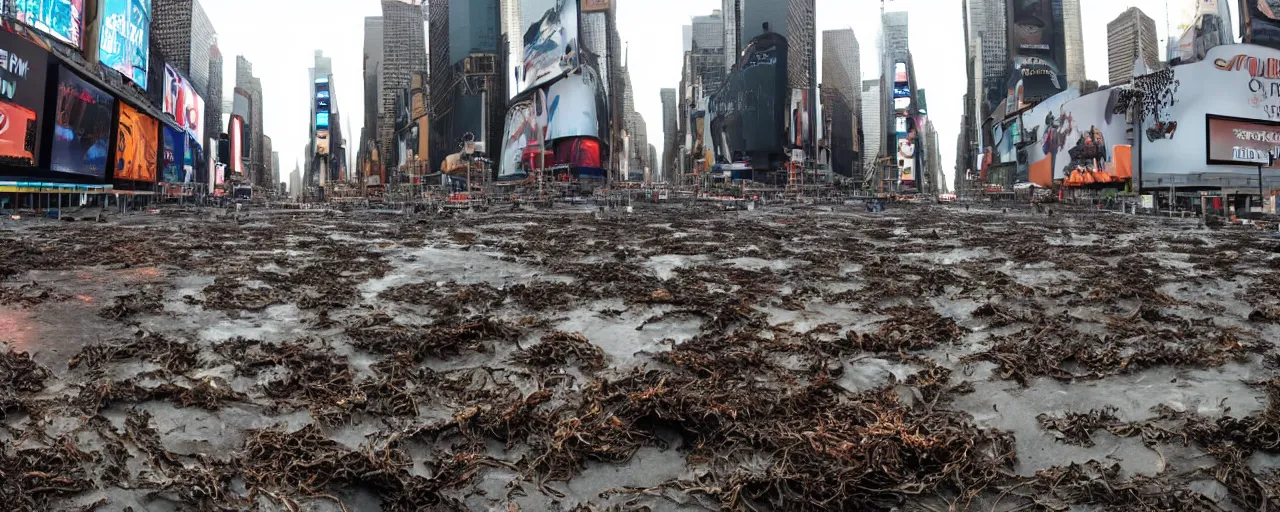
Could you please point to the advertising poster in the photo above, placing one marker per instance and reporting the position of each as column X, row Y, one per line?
column 182, row 102
column 518, row 134
column 174, row 142
column 550, row 40
column 1235, row 81
column 137, row 146
column 322, row 142
column 235, row 132
column 798, row 118
column 1035, row 51
column 82, row 130
column 1242, row 142
column 574, row 105
column 322, row 104
column 62, row 19
column 900, row 73
column 126, row 38
column 906, row 160
column 23, row 70
column 1071, row 133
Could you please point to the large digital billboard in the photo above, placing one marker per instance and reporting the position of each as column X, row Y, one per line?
column 82, row 131
column 520, row 133
column 137, row 146
column 322, row 104
column 1233, row 81
column 575, row 106
column 23, row 70
column 550, row 40
column 174, row 140
column 1241, row 141
column 62, row 19
column 126, row 38
column 235, row 132
column 182, row 102
column 1036, row 51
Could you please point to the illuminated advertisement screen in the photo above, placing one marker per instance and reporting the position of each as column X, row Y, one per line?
column 182, row 102
column 23, row 70
column 236, row 133
column 550, row 40
column 901, row 103
column 62, row 19
column 1242, row 142
column 900, row 73
column 322, row 142
column 174, row 140
column 137, row 147
column 574, row 106
column 322, row 120
column 126, row 38
column 901, row 92
column 82, row 130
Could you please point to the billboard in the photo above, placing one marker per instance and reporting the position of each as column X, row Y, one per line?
column 235, row 133
column 171, row 162
column 798, row 118
column 1260, row 22
column 1234, row 141
column 82, row 130
column 1036, row 51
column 519, row 133
column 322, row 142
column 906, row 160
column 182, row 102
column 322, row 103
column 1234, row 81
column 125, row 38
column 1071, row 134
column 24, row 67
column 137, row 147
column 595, row 6
column 550, row 41
column 575, row 106
column 62, row 19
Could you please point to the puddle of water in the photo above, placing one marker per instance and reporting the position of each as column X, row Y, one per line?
column 432, row 264
column 619, row 339
column 665, row 265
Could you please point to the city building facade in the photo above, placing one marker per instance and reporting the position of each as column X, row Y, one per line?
column 213, row 102
column 670, row 127
column 1130, row 37
column 468, row 87
column 872, row 127
column 404, row 53
column 842, row 100
column 183, row 34
column 1073, row 35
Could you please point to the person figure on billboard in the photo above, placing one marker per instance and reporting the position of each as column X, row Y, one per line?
column 1056, row 132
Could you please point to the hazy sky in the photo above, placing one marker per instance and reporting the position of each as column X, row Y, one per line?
column 281, row 38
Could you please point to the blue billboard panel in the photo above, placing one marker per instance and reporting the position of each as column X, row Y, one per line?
column 125, row 38
column 322, row 120
column 174, row 142
column 62, row 19
column 82, row 130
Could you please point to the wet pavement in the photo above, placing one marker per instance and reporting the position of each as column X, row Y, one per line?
column 806, row 358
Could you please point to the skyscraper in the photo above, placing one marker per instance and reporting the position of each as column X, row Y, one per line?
column 895, row 50
column 404, row 47
column 182, row 32
column 213, row 102
column 268, row 170
column 872, row 128
column 669, row 128
column 1074, row 37
column 842, row 99
column 707, row 47
column 731, row 16
column 515, row 36
column 792, row 19
column 468, row 87
column 244, row 88
column 373, row 81
column 1130, row 36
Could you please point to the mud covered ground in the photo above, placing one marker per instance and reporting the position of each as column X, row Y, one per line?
column 670, row 359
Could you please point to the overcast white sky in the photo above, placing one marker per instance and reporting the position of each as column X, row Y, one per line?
column 281, row 37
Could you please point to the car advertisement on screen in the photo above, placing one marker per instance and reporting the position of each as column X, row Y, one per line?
column 62, row 19
column 182, row 102
column 1242, row 141
column 82, row 131
column 550, row 40
column 174, row 140
column 519, row 134
column 137, row 147
column 574, row 106
column 125, row 38
column 23, row 70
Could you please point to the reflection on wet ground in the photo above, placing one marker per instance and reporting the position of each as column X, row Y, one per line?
column 669, row 359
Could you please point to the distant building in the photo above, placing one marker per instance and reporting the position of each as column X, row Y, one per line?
column 213, row 102
column 183, row 34
column 707, row 50
column 1074, row 38
column 871, row 125
column 670, row 127
column 404, row 52
column 1131, row 36
column 468, row 78
column 731, row 16
column 842, row 100
column 373, row 80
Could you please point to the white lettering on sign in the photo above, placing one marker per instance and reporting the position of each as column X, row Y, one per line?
column 1250, row 155
column 14, row 64
column 1257, row 135
column 116, row 31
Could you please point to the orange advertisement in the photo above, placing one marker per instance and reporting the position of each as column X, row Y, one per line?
column 138, row 147
column 17, row 134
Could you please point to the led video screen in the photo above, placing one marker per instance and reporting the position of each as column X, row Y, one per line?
column 137, row 147
column 62, row 19
column 125, row 38
column 82, row 130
